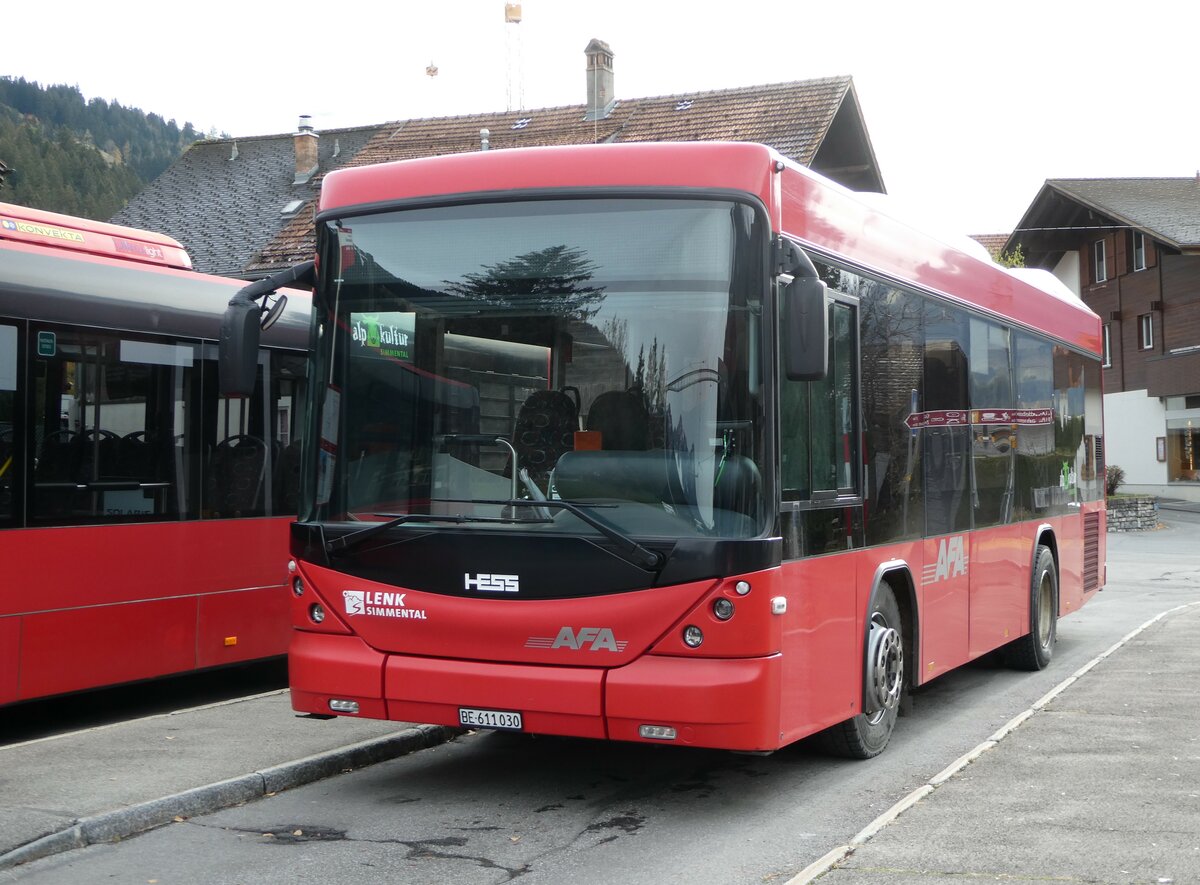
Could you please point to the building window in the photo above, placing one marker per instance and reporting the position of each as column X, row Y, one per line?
column 1099, row 269
column 1106, row 343
column 1183, row 449
column 1139, row 250
column 1146, row 331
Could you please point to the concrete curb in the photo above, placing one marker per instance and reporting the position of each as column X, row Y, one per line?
column 114, row 825
column 836, row 856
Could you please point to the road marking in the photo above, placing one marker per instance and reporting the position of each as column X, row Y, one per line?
column 834, row 857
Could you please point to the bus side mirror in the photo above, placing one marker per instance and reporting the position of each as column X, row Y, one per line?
column 244, row 319
column 805, row 330
column 237, row 365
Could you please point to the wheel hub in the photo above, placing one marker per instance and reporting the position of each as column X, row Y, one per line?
column 885, row 666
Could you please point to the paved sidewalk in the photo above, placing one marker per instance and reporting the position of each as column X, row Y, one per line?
column 1099, row 785
column 109, row 782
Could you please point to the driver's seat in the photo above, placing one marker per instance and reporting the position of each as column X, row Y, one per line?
column 544, row 429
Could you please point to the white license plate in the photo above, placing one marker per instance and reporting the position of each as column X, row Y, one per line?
column 502, row 719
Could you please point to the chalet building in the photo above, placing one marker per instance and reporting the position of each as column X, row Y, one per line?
column 1130, row 248
column 245, row 207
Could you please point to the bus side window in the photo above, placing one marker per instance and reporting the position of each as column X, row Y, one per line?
column 946, row 450
column 9, row 469
column 106, row 419
column 288, row 399
column 238, row 463
column 819, row 420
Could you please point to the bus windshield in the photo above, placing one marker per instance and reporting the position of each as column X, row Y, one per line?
column 604, row 353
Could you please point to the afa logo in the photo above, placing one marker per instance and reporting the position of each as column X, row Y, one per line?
column 952, row 560
column 583, row 639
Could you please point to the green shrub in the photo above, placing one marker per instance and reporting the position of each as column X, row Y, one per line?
column 1114, row 477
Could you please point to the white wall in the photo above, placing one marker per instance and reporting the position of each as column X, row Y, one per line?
column 1132, row 423
column 1067, row 270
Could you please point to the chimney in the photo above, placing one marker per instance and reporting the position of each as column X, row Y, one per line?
column 600, row 99
column 305, row 140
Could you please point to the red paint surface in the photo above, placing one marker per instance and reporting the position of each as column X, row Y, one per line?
column 99, row 605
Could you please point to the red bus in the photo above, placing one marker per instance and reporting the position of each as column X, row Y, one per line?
column 792, row 457
column 143, row 516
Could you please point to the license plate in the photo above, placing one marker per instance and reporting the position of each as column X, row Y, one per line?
column 501, row 719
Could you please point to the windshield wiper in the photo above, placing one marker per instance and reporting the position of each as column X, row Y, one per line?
column 345, row 542
column 627, row 548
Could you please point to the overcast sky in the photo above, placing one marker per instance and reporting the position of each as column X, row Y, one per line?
column 970, row 106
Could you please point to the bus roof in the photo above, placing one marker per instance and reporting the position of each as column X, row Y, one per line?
column 819, row 213
column 106, row 293
column 91, row 237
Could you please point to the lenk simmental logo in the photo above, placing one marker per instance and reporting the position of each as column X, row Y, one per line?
column 380, row 604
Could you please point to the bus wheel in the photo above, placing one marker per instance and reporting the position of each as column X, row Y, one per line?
column 1034, row 650
column 866, row 734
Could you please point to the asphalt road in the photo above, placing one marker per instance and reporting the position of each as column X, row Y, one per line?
column 490, row 808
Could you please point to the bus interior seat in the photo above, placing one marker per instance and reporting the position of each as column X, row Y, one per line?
column 56, row 457
column 544, row 430
column 737, row 494
column 98, row 454
column 137, row 458
column 643, row 477
column 234, row 484
column 622, row 419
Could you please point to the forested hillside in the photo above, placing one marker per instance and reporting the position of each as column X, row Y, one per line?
column 80, row 157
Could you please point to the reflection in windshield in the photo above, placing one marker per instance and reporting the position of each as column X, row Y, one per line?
column 603, row 352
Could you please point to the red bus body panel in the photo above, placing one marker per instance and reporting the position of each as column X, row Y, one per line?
column 190, row 594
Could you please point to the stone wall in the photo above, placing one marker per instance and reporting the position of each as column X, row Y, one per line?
column 1133, row 514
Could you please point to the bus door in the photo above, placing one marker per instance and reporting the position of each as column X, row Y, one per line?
column 945, row 458
column 11, row 430
column 821, row 514
column 238, row 445
column 1001, row 551
column 9, row 426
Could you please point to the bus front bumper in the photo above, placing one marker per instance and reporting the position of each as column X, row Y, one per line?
column 730, row 703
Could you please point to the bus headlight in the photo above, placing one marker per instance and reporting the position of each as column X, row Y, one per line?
column 723, row 609
column 692, row 636
column 297, row 586
column 316, row 612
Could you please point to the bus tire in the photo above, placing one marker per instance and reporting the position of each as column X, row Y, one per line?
column 1034, row 650
column 865, row 735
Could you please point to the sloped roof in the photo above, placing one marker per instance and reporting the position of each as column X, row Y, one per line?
column 994, row 243
column 227, row 212
column 222, row 198
column 1067, row 211
column 817, row 123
